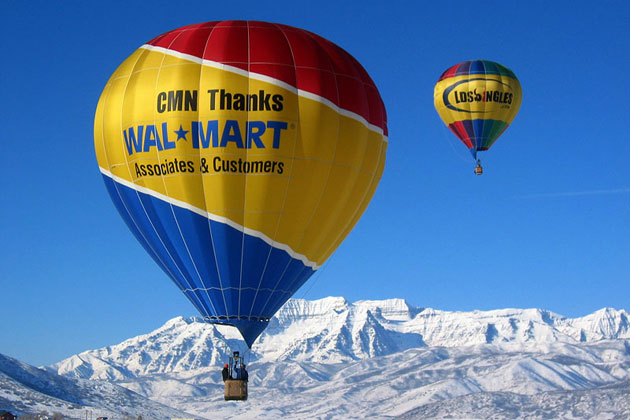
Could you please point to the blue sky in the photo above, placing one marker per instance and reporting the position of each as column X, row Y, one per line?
column 546, row 226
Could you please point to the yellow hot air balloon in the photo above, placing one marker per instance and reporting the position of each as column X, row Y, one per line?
column 240, row 154
column 477, row 100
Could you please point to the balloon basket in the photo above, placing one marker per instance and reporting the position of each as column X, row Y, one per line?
column 235, row 390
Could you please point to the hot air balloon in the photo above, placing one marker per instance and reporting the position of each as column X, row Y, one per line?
column 477, row 100
column 240, row 154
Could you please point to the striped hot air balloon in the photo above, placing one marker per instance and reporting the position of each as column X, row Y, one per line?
column 240, row 154
column 477, row 100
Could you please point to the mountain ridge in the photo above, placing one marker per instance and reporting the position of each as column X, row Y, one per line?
column 333, row 330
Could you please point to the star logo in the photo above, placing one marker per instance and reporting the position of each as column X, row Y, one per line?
column 181, row 133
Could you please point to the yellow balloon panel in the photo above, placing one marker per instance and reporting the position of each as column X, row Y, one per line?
column 247, row 149
column 464, row 97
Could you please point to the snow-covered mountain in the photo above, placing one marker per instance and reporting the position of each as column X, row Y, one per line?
column 25, row 389
column 332, row 330
column 333, row 359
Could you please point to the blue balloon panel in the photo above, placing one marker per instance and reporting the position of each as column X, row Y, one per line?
column 205, row 259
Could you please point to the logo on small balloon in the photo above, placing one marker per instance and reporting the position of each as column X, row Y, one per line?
column 476, row 95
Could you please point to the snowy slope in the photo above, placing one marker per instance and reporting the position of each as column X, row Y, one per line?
column 27, row 389
column 333, row 359
column 395, row 384
column 610, row 402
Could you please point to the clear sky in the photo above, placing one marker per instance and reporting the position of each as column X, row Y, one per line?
column 546, row 226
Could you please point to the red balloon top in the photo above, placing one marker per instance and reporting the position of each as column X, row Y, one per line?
column 298, row 58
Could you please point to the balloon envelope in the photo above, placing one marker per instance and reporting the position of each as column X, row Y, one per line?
column 240, row 154
column 477, row 100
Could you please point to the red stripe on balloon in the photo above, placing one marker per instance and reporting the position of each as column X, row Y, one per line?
column 460, row 131
column 294, row 56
